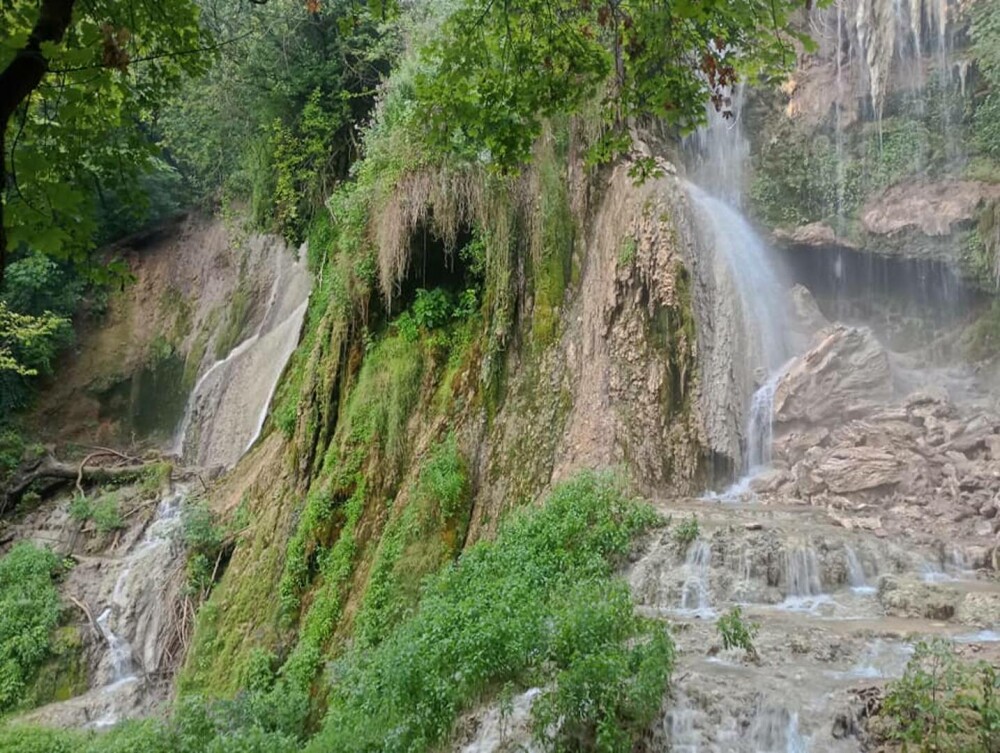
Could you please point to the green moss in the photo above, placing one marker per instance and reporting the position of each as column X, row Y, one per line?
column 627, row 253
column 64, row 674
column 426, row 533
column 372, row 427
column 238, row 310
column 556, row 239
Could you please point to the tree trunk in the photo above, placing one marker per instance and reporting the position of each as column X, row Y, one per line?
column 22, row 76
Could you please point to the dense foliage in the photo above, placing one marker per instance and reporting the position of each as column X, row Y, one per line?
column 275, row 120
column 539, row 606
column 501, row 69
column 29, row 611
column 944, row 703
column 985, row 32
column 79, row 139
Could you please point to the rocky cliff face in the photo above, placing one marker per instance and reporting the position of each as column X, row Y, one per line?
column 872, row 144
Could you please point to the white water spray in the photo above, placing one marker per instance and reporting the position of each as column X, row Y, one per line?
column 695, row 593
column 230, row 401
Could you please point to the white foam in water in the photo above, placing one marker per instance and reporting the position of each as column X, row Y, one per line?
column 856, row 577
column 695, row 597
column 982, row 636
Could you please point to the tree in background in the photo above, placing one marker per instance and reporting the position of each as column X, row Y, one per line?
column 502, row 68
column 275, row 122
column 78, row 83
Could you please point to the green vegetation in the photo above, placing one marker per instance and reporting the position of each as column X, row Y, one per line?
column 516, row 609
column 104, row 511
column 29, row 612
column 208, row 541
column 737, row 632
column 499, row 70
column 686, row 532
column 943, row 703
column 800, row 176
column 539, row 606
column 99, row 79
column 985, row 33
column 428, row 533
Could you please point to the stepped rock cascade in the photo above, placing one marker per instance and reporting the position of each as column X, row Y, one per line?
column 229, row 403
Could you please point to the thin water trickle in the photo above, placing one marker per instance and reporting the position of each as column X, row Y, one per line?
column 776, row 730
column 696, row 591
column 856, row 577
column 119, row 651
column 803, row 583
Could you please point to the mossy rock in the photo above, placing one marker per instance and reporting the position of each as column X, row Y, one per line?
column 65, row 674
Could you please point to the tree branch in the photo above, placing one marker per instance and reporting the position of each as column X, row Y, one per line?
column 22, row 76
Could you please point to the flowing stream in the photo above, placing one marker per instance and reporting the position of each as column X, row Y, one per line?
column 820, row 595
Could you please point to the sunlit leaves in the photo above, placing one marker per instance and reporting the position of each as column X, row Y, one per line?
column 500, row 68
column 80, row 134
column 20, row 335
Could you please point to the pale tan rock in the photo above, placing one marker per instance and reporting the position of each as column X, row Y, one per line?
column 846, row 373
column 930, row 208
column 853, row 469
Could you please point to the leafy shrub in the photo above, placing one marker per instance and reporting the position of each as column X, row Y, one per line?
column 943, row 704
column 434, row 309
column 509, row 609
column 736, row 632
column 687, row 531
column 104, row 512
column 29, row 611
column 614, row 669
column 443, row 478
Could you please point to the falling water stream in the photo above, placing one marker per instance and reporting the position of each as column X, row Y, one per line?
column 229, row 403
column 802, row 578
column 225, row 414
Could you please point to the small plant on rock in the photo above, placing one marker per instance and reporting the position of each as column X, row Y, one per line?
column 687, row 531
column 738, row 632
column 104, row 512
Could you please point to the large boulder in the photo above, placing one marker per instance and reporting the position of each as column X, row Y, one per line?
column 846, row 374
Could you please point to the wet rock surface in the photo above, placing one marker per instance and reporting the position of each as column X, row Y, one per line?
column 124, row 595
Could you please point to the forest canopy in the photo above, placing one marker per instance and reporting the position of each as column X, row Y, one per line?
column 117, row 113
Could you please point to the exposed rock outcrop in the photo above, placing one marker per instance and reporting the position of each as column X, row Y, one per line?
column 846, row 374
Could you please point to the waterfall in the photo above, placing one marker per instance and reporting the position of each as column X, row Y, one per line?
column 137, row 607
column 230, row 401
column 856, row 577
column 696, row 568
column 747, row 268
column 119, row 652
column 802, row 574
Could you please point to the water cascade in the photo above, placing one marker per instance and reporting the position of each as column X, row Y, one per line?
column 229, row 403
column 695, row 593
column 747, row 265
column 803, row 582
column 856, row 577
